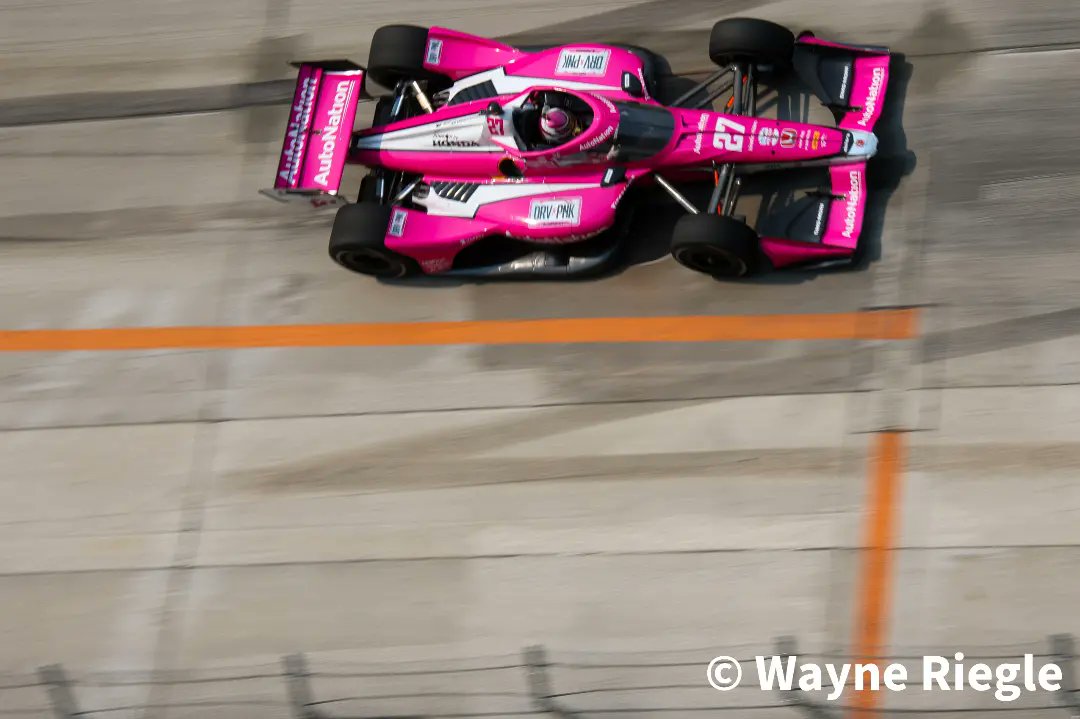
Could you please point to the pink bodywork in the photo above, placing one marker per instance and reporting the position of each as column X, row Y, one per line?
column 702, row 137
column 485, row 164
column 845, row 218
column 699, row 138
column 848, row 182
column 324, row 107
column 321, row 121
column 544, row 218
column 871, row 79
column 457, row 55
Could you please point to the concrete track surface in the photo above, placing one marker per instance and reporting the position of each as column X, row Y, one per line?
column 174, row 515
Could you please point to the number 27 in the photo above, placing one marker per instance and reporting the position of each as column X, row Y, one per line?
column 732, row 140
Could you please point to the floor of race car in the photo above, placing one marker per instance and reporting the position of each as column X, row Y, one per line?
column 194, row 508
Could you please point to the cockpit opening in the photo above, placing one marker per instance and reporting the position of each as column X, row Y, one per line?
column 550, row 118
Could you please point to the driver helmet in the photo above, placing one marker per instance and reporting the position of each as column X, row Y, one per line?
column 557, row 124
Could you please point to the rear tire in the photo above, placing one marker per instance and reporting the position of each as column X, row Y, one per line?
column 383, row 108
column 716, row 245
column 397, row 53
column 357, row 242
column 743, row 39
column 367, row 190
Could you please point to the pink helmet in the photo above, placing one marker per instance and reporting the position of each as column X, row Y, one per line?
column 556, row 124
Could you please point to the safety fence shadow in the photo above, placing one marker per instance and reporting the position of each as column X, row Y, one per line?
column 534, row 682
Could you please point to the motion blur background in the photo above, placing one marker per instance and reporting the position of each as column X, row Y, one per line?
column 173, row 523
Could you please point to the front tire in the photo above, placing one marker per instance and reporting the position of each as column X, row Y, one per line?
column 357, row 242
column 743, row 39
column 716, row 245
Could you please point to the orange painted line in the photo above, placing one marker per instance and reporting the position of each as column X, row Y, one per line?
column 875, row 590
column 894, row 324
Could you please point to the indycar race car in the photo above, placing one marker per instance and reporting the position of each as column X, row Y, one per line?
column 491, row 160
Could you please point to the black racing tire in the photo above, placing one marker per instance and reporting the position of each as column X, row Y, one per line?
column 716, row 245
column 367, row 190
column 357, row 242
column 744, row 39
column 397, row 53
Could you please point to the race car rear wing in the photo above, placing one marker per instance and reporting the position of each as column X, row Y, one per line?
column 317, row 136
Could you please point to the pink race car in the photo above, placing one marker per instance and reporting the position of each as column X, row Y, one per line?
column 490, row 160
